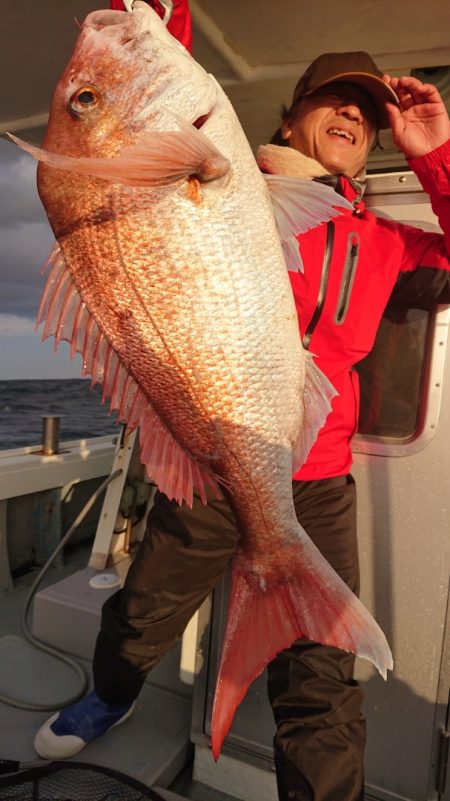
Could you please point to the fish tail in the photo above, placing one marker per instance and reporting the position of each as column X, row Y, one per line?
column 264, row 617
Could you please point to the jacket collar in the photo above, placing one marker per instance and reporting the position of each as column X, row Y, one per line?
column 350, row 188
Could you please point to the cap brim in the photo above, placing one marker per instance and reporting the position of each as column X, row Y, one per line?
column 380, row 91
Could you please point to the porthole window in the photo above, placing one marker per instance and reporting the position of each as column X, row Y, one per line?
column 401, row 379
column 392, row 377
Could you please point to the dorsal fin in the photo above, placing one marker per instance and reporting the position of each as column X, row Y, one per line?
column 66, row 317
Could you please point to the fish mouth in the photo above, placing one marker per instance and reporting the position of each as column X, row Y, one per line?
column 131, row 25
column 134, row 27
column 104, row 19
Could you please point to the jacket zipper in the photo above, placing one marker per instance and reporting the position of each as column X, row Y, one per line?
column 323, row 285
column 348, row 276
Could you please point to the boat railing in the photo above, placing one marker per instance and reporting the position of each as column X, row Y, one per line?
column 28, row 471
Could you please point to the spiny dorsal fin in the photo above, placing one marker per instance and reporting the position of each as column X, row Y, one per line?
column 67, row 318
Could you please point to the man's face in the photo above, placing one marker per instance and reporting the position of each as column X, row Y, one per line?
column 336, row 126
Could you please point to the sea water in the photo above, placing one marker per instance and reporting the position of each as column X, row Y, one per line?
column 24, row 403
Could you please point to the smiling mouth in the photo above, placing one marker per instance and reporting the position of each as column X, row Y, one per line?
column 342, row 134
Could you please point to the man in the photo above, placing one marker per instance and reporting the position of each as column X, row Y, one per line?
column 351, row 266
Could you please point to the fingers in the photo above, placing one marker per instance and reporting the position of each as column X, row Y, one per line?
column 396, row 121
column 392, row 111
column 411, row 91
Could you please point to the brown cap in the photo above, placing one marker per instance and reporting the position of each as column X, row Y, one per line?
column 355, row 67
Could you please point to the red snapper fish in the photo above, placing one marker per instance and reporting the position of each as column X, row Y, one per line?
column 169, row 278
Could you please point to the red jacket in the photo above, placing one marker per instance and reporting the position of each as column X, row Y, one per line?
column 344, row 290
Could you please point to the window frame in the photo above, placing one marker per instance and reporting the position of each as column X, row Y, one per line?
column 402, row 188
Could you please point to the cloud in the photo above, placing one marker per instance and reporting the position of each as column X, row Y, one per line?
column 12, row 325
column 25, row 356
column 25, row 234
column 18, row 187
column 25, row 242
column 23, row 253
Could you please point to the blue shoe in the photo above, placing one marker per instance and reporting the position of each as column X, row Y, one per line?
column 67, row 732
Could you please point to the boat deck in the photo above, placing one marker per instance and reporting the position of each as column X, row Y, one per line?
column 153, row 746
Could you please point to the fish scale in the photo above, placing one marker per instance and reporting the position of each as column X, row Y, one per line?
column 194, row 308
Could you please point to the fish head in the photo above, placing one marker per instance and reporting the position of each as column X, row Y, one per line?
column 127, row 75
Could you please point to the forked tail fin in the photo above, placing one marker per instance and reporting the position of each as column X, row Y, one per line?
column 265, row 617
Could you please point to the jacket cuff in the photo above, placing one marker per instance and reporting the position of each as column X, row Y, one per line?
column 432, row 159
column 433, row 168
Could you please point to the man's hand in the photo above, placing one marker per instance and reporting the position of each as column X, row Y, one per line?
column 420, row 123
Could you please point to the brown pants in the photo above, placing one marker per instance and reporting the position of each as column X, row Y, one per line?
column 320, row 739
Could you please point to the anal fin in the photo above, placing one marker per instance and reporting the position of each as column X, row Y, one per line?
column 318, row 392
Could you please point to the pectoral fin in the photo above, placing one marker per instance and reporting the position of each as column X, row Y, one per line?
column 158, row 158
column 299, row 205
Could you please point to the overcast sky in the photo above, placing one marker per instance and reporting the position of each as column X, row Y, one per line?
column 25, row 242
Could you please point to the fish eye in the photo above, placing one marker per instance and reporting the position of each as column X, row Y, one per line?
column 84, row 99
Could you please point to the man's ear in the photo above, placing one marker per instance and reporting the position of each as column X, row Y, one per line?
column 285, row 128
